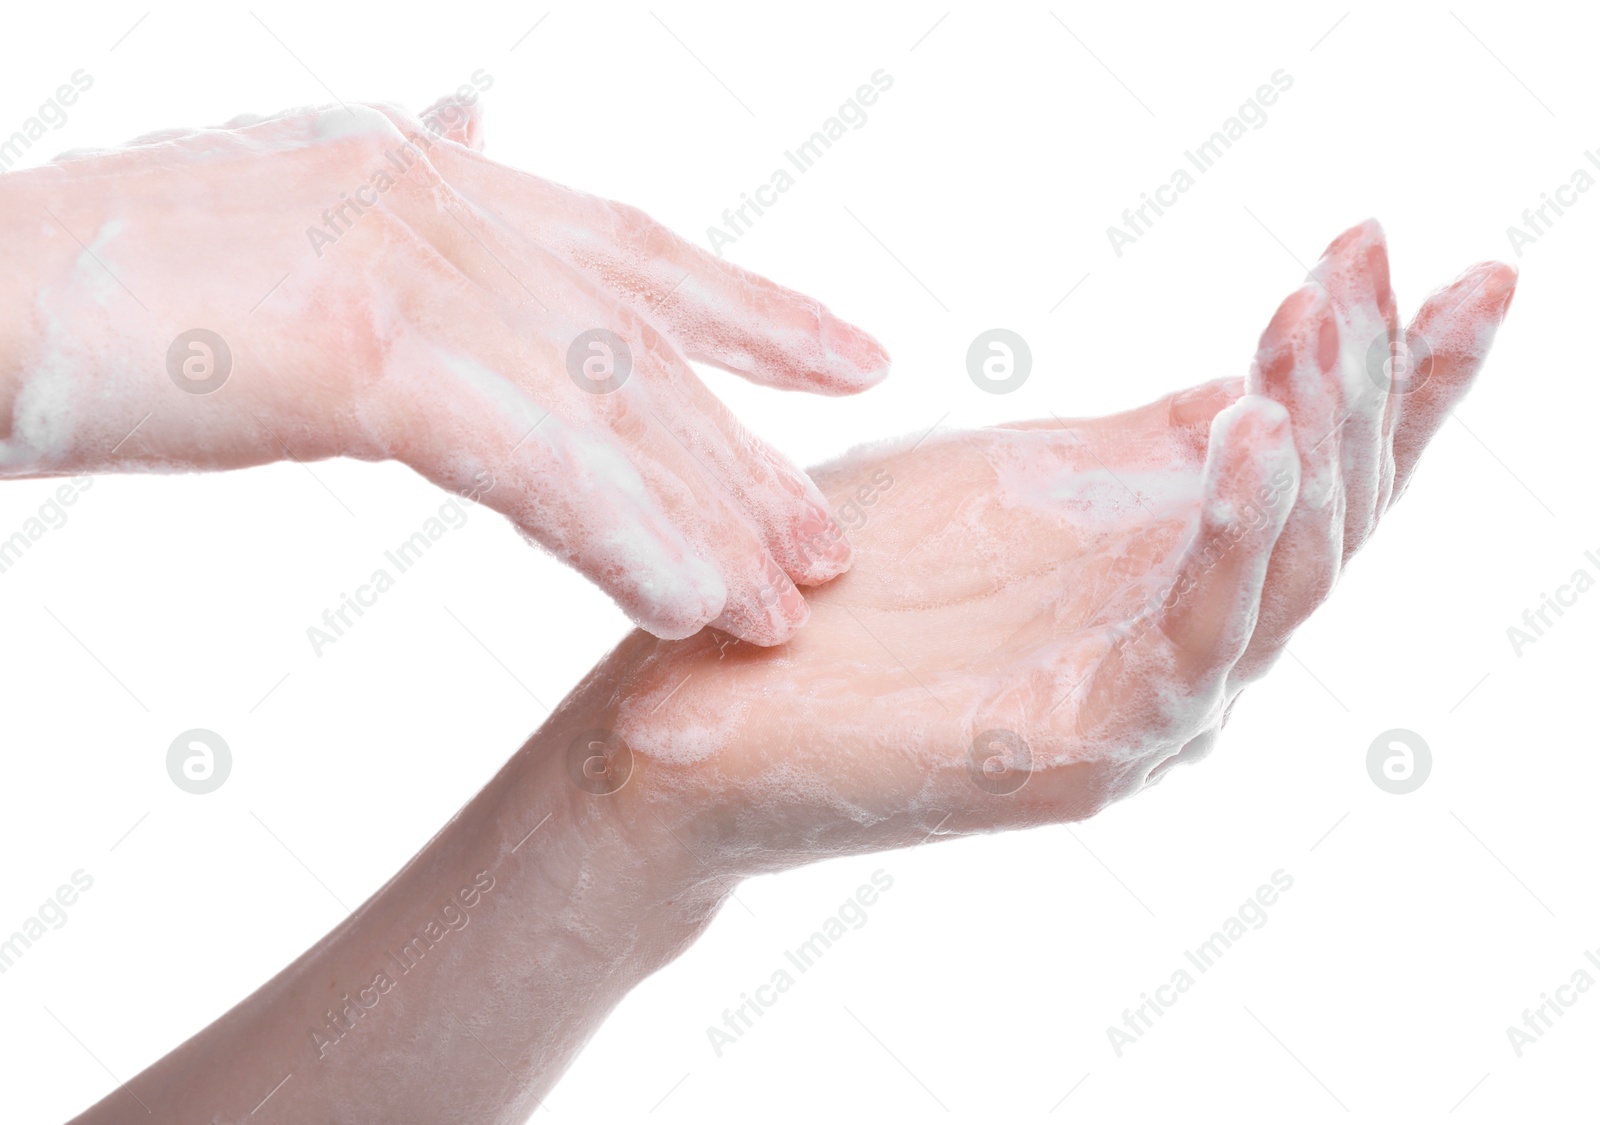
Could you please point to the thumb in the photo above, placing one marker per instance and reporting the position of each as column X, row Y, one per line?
column 457, row 118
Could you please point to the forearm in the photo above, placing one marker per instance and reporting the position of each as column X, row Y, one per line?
column 72, row 384
column 22, row 279
column 428, row 1004
column 132, row 328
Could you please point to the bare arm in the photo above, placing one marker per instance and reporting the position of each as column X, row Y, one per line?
column 465, row 986
column 347, row 282
column 1052, row 646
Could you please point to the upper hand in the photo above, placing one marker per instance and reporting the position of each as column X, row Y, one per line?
column 384, row 291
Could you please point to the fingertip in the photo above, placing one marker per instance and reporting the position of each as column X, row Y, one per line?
column 1256, row 423
column 1198, row 406
column 1453, row 332
column 1256, row 455
column 1211, row 609
column 1276, row 426
column 1460, row 319
column 853, row 360
column 1262, row 412
column 674, row 602
column 456, row 118
column 1353, row 242
column 1487, row 284
column 1291, row 310
column 779, row 627
column 765, row 610
column 1500, row 285
column 1301, row 327
column 1354, row 270
column 818, row 550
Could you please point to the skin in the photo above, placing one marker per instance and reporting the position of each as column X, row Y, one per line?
column 438, row 322
column 1005, row 581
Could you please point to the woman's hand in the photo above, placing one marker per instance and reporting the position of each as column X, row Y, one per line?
column 1043, row 618
column 351, row 282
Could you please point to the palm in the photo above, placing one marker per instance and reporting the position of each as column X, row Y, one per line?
column 1096, row 592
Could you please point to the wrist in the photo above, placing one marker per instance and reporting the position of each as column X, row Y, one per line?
column 540, row 899
column 565, row 820
column 22, row 246
column 120, row 349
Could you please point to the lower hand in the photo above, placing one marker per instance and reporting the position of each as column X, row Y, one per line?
column 1043, row 618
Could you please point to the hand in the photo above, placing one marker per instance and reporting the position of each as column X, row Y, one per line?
column 371, row 287
column 1043, row 618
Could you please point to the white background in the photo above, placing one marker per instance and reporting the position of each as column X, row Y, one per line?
column 977, row 195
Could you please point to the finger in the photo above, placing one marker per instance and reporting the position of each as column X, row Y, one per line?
column 623, row 420
column 1297, row 364
column 760, row 604
column 1448, row 340
column 763, row 606
column 1392, row 403
column 563, row 488
column 1194, row 409
column 455, row 117
column 682, row 465
column 714, row 310
column 1178, row 654
column 667, row 549
column 766, row 611
column 788, row 512
column 1189, row 414
column 1354, row 273
column 1195, row 750
column 690, row 465
column 1247, row 491
column 717, row 312
column 1183, row 417
column 787, row 509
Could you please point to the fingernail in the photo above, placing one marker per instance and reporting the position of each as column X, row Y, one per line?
column 1327, row 343
column 822, row 550
column 1366, row 232
column 852, row 354
column 786, row 608
column 1501, row 286
column 1378, row 267
column 767, row 612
